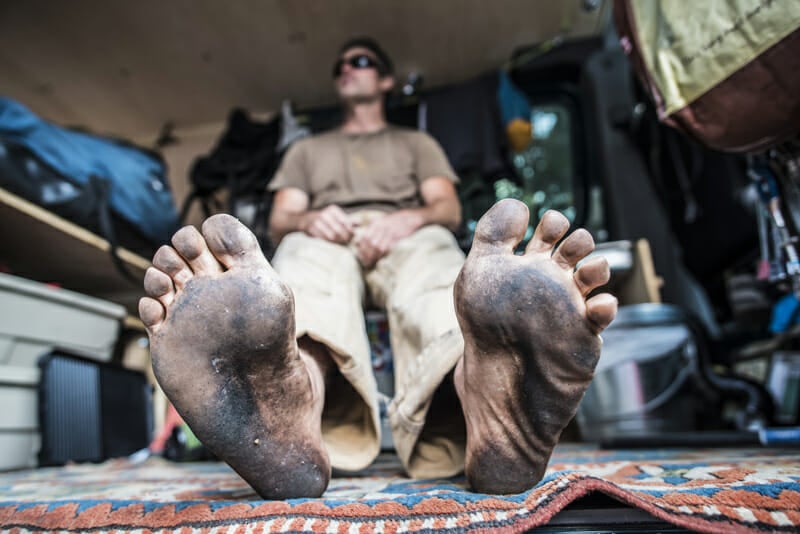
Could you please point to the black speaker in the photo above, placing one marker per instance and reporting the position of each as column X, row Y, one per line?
column 90, row 411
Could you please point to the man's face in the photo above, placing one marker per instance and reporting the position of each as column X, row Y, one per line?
column 364, row 84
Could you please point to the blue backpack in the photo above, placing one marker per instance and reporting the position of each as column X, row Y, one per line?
column 109, row 186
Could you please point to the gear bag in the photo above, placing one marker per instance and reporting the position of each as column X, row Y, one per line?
column 726, row 73
column 240, row 165
column 108, row 186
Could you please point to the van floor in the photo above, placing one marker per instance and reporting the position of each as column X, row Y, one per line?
column 585, row 489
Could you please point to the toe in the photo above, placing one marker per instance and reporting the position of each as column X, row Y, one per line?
column 574, row 248
column 167, row 260
column 152, row 313
column 192, row 247
column 549, row 231
column 601, row 310
column 503, row 226
column 592, row 274
column 158, row 285
column 232, row 243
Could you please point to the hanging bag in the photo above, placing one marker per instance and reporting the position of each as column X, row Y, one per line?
column 727, row 73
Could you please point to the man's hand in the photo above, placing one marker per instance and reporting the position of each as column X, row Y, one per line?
column 377, row 239
column 330, row 223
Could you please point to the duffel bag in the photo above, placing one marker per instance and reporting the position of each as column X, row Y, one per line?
column 726, row 72
column 107, row 185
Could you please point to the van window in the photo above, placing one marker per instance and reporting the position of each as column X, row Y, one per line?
column 546, row 167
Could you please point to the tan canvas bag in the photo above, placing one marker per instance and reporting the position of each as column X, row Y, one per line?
column 726, row 72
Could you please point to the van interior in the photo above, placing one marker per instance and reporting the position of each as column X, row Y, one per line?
column 698, row 386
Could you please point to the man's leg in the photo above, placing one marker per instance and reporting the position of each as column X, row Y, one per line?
column 326, row 280
column 414, row 282
column 222, row 336
column 531, row 343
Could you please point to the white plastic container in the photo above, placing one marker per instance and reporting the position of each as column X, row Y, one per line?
column 19, row 427
column 36, row 318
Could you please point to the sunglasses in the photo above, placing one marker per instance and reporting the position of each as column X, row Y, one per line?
column 361, row 61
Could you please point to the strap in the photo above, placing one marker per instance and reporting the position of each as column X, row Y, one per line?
column 187, row 204
column 102, row 188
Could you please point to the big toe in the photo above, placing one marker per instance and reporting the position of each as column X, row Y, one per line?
column 503, row 226
column 232, row 243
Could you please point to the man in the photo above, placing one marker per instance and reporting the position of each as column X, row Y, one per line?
column 271, row 368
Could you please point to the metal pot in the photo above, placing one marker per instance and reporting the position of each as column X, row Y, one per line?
column 640, row 386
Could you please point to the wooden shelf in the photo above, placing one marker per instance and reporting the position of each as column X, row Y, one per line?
column 41, row 246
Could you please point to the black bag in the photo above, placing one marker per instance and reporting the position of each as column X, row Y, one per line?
column 241, row 165
column 22, row 173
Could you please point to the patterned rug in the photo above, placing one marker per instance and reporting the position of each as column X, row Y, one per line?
column 707, row 491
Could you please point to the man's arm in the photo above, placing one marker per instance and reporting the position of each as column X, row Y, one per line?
column 440, row 203
column 290, row 213
column 440, row 206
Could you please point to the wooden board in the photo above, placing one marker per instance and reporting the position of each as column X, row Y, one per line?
column 39, row 245
column 642, row 284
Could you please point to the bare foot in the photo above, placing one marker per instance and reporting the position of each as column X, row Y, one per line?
column 221, row 329
column 531, row 343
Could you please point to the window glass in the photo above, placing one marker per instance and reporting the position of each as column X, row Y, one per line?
column 545, row 167
column 548, row 173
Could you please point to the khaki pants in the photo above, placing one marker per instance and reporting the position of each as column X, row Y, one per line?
column 414, row 284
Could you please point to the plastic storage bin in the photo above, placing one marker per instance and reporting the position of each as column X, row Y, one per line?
column 36, row 318
column 19, row 432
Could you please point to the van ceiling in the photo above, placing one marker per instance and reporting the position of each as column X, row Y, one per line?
column 127, row 68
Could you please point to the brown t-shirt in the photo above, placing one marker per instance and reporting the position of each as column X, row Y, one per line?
column 381, row 170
